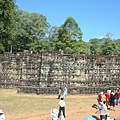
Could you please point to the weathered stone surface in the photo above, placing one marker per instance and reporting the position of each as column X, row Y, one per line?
column 44, row 73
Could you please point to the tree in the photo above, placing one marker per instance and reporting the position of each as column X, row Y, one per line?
column 95, row 47
column 32, row 30
column 53, row 37
column 8, row 16
column 68, row 34
column 105, row 41
column 113, row 47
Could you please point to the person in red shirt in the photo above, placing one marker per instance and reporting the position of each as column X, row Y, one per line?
column 107, row 98
column 117, row 94
column 100, row 98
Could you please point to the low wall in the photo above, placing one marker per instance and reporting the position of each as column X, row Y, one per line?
column 71, row 90
column 47, row 71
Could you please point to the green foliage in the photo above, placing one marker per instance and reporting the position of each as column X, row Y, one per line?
column 32, row 29
column 95, row 47
column 20, row 30
column 113, row 46
column 69, row 36
column 7, row 20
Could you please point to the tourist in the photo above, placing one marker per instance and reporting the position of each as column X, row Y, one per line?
column 103, row 107
column 2, row 116
column 100, row 97
column 59, row 93
column 112, row 100
column 62, row 105
column 107, row 97
column 54, row 113
column 65, row 92
column 117, row 94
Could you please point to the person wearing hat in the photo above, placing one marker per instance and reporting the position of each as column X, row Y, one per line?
column 54, row 113
column 2, row 116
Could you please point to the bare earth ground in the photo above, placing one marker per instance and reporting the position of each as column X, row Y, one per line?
column 114, row 114
column 79, row 112
column 37, row 107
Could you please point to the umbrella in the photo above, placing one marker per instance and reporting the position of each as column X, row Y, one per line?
column 102, row 112
column 89, row 118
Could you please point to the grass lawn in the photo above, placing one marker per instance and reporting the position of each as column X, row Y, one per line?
column 24, row 106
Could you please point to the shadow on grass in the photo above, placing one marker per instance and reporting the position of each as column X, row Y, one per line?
column 95, row 106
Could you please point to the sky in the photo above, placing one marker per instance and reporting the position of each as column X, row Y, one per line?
column 95, row 18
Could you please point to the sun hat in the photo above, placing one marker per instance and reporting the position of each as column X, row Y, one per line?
column 101, row 103
column 1, row 111
column 55, row 111
column 101, row 93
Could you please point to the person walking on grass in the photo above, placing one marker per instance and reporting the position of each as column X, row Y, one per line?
column 59, row 93
column 65, row 92
column 62, row 105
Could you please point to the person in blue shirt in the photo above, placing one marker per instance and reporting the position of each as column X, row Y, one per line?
column 65, row 92
column 54, row 113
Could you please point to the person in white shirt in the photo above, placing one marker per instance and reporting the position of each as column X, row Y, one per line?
column 54, row 113
column 62, row 105
column 2, row 116
column 103, row 107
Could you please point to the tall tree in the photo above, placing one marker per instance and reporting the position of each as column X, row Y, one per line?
column 113, row 47
column 53, row 37
column 32, row 30
column 8, row 16
column 95, row 47
column 105, row 42
column 68, row 34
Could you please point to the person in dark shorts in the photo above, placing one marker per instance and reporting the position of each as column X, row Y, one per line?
column 62, row 105
column 112, row 100
column 59, row 93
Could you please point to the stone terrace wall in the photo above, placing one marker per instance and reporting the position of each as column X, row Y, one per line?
column 45, row 72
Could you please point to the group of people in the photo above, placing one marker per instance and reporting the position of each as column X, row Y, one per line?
column 112, row 98
column 62, row 92
column 60, row 112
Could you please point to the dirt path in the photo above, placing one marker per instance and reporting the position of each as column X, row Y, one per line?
column 70, row 114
